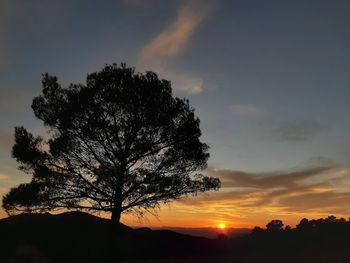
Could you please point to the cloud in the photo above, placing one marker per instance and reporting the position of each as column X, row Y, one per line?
column 288, row 195
column 185, row 83
column 3, row 177
column 173, row 40
column 159, row 53
column 231, row 178
column 321, row 161
column 249, row 199
column 247, row 110
column 299, row 131
column 316, row 201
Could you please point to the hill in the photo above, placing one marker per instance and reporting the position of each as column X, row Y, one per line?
column 81, row 237
column 77, row 236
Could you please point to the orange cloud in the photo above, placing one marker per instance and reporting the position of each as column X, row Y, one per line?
column 249, row 199
column 231, row 178
column 158, row 54
column 3, row 177
column 174, row 39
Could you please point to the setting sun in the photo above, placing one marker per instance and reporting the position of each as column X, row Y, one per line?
column 222, row 226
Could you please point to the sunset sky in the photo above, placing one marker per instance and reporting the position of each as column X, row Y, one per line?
column 270, row 81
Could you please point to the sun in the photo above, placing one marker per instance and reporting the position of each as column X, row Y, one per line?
column 222, row 226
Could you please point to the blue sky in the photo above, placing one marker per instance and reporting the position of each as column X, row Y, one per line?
column 268, row 79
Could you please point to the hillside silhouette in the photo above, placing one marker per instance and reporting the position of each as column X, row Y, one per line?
column 81, row 237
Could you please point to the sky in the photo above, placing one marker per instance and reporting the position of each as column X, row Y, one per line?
column 269, row 81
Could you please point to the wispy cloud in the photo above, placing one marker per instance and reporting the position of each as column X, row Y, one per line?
column 248, row 199
column 231, row 178
column 3, row 177
column 299, row 131
column 184, row 82
column 246, row 110
column 288, row 195
column 159, row 53
column 173, row 40
column 327, row 200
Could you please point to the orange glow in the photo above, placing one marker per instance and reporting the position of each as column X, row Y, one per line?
column 221, row 210
column 222, row 226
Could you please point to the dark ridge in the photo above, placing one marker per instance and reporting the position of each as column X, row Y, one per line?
column 77, row 236
column 81, row 237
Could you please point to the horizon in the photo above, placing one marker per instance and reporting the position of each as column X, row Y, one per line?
column 211, row 232
column 269, row 82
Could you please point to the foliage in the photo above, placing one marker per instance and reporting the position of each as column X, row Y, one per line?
column 275, row 225
column 304, row 225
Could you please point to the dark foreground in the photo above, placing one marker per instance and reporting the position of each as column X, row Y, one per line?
column 79, row 237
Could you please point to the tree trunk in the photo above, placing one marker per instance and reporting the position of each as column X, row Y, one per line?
column 113, row 249
column 115, row 219
column 114, row 246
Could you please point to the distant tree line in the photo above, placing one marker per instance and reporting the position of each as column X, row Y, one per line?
column 305, row 224
column 312, row 240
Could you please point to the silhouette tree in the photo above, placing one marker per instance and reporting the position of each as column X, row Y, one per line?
column 257, row 230
column 119, row 143
column 275, row 225
column 287, row 228
column 331, row 219
column 304, row 224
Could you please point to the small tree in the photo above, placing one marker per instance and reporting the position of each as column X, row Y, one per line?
column 257, row 230
column 304, row 224
column 274, row 225
column 119, row 143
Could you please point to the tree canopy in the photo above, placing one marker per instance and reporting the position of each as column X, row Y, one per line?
column 274, row 225
column 119, row 143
